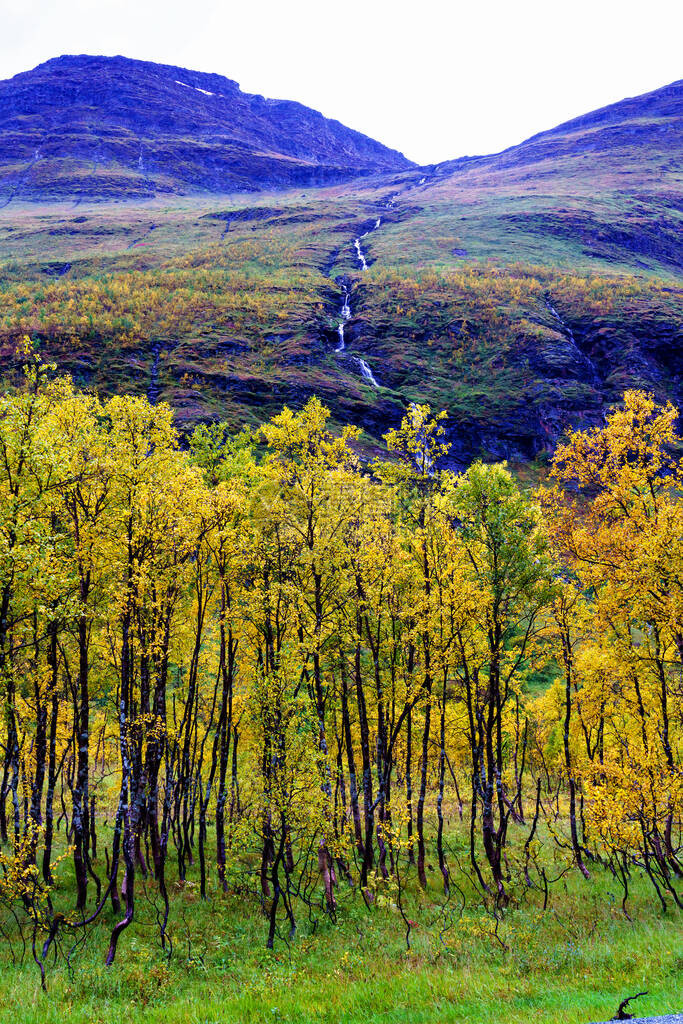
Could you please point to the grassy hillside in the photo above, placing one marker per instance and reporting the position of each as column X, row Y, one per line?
column 522, row 292
column 573, row 963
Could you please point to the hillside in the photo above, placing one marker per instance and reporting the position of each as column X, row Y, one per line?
column 608, row 183
column 523, row 292
column 651, row 119
column 314, row 711
column 110, row 127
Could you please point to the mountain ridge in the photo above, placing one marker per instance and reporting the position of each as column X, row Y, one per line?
column 113, row 127
column 613, row 116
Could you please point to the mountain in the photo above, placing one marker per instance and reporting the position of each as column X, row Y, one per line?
column 651, row 120
column 110, row 127
column 564, row 257
column 523, row 292
column 611, row 180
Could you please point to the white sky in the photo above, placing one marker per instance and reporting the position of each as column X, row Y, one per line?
column 436, row 79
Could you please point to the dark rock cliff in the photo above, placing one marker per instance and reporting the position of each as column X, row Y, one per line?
column 112, row 127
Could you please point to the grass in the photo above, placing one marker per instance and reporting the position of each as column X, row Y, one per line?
column 573, row 962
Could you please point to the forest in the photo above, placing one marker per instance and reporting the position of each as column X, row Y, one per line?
column 257, row 665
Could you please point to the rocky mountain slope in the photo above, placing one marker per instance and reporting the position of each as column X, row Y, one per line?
column 113, row 127
column 653, row 119
column 610, row 181
column 523, row 292
column 564, row 257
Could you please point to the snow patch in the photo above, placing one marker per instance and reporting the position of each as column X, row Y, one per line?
column 195, row 87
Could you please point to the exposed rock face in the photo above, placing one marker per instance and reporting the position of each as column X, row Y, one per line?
column 109, row 127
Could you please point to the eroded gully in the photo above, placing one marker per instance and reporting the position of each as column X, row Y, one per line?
column 345, row 313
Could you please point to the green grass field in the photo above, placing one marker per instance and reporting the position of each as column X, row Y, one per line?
column 572, row 963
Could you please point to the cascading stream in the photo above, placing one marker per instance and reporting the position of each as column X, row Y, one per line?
column 565, row 329
column 345, row 313
column 366, row 372
column 564, row 326
column 360, row 253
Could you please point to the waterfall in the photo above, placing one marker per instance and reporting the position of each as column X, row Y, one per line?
column 564, row 327
column 345, row 313
column 342, row 345
column 366, row 372
column 359, row 252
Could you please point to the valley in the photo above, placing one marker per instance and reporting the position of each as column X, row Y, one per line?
column 313, row 709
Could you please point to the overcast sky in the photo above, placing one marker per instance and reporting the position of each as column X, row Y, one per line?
column 434, row 78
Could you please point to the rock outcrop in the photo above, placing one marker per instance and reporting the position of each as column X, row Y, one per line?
column 110, row 127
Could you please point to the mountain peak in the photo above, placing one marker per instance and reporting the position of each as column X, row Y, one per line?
column 116, row 127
